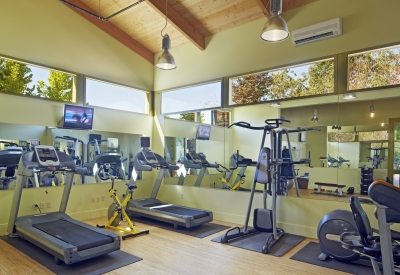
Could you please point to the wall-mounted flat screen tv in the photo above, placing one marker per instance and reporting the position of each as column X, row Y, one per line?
column 78, row 117
column 203, row 132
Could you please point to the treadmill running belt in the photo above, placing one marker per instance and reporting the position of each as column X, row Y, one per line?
column 196, row 214
column 74, row 234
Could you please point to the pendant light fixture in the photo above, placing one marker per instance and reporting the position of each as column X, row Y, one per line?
column 372, row 109
column 314, row 118
column 275, row 29
column 166, row 61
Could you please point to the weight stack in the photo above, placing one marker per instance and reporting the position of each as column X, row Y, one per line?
column 367, row 176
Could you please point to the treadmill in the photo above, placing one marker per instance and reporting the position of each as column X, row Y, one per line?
column 146, row 160
column 68, row 240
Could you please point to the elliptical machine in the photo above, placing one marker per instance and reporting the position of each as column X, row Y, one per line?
column 339, row 223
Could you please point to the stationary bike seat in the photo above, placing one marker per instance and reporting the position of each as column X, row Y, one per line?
column 131, row 186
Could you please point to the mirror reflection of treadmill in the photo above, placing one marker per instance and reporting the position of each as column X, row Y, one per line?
column 155, row 209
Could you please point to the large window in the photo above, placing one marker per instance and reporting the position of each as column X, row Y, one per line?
column 297, row 81
column 192, row 98
column 374, row 135
column 30, row 80
column 375, row 68
column 117, row 97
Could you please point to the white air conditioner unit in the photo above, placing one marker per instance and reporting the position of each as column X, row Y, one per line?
column 324, row 30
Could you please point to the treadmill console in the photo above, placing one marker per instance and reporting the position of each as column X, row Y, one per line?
column 46, row 155
column 195, row 157
column 149, row 157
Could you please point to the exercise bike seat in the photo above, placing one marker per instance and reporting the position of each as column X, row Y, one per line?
column 131, row 186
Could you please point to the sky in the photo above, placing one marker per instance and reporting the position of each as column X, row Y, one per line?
column 98, row 93
column 38, row 73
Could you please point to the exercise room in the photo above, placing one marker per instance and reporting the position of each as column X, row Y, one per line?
column 199, row 137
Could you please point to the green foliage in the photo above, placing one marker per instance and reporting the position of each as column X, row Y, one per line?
column 374, row 69
column 190, row 117
column 15, row 77
column 319, row 79
column 59, row 87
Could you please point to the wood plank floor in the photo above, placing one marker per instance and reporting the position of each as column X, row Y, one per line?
column 167, row 252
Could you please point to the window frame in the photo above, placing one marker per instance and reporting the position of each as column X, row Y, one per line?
column 149, row 95
column 75, row 98
column 227, row 81
column 221, row 80
column 361, row 51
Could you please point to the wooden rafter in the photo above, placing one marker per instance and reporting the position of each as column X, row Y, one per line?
column 113, row 31
column 180, row 23
column 264, row 6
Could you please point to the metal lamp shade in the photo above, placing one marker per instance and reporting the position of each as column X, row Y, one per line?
column 275, row 30
column 166, row 61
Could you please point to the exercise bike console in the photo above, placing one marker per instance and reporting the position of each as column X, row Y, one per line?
column 47, row 156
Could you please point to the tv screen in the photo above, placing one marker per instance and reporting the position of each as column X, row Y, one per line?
column 78, row 117
column 190, row 144
column 145, row 142
column 95, row 137
column 203, row 132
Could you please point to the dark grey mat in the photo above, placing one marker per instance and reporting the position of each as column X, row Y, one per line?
column 98, row 265
column 200, row 231
column 256, row 241
column 309, row 254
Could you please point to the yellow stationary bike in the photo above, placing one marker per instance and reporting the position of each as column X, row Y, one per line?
column 225, row 183
column 117, row 212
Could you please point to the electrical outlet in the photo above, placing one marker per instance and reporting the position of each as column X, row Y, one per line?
column 181, row 196
column 35, row 205
column 48, row 204
column 42, row 205
column 93, row 199
column 102, row 198
column 97, row 199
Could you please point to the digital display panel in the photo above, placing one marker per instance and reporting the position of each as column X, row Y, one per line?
column 203, row 132
column 78, row 117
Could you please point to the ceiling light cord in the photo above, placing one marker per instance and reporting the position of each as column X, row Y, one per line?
column 99, row 10
column 166, row 17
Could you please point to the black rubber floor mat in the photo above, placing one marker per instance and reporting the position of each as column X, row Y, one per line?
column 256, row 241
column 94, row 266
column 200, row 231
column 309, row 254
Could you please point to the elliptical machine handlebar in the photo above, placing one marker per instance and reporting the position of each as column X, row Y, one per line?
column 224, row 169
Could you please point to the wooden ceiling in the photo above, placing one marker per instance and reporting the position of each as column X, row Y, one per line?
column 189, row 21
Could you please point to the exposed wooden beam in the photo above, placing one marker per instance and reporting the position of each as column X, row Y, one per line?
column 180, row 23
column 264, row 6
column 113, row 31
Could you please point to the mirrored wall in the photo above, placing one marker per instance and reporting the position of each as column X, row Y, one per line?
column 348, row 150
column 88, row 149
